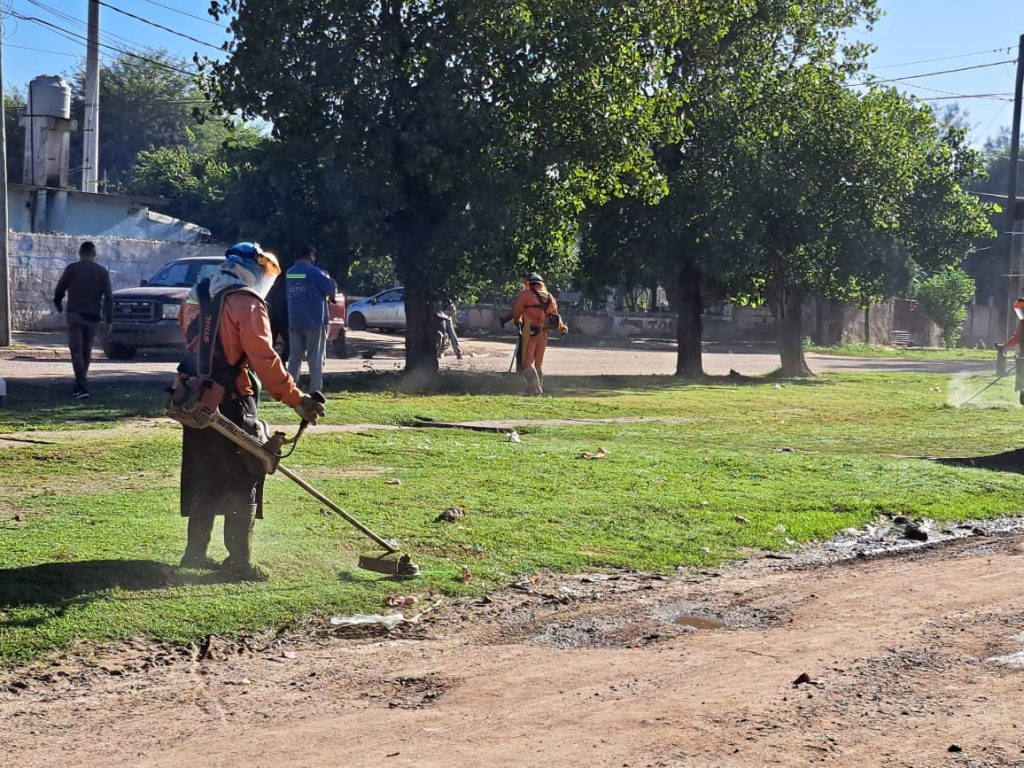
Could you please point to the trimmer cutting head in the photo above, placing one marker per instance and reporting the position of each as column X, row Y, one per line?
column 390, row 564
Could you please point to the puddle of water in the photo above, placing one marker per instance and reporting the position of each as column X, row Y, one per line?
column 700, row 622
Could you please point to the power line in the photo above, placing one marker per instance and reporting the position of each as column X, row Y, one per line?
column 934, row 74
column 66, row 32
column 158, row 26
column 43, row 50
column 185, row 13
column 83, row 26
column 992, row 122
column 958, row 95
column 991, row 96
column 1007, row 49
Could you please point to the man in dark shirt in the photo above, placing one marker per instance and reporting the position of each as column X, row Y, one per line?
column 90, row 302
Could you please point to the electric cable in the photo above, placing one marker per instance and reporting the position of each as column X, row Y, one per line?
column 83, row 27
column 954, row 94
column 1007, row 49
column 66, row 32
column 131, row 15
column 988, row 96
column 934, row 74
column 186, row 13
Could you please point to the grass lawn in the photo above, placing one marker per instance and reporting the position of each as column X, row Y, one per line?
column 90, row 529
column 859, row 349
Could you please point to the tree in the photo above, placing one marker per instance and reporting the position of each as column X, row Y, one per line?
column 14, row 108
column 944, row 297
column 206, row 186
column 690, row 241
column 846, row 189
column 447, row 120
column 147, row 103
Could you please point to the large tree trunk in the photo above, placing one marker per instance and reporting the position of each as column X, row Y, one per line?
column 420, row 354
column 689, row 330
column 788, row 308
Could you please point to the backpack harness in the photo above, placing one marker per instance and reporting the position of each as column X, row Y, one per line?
column 205, row 379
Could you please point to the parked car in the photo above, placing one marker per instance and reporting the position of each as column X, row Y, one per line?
column 385, row 310
column 147, row 316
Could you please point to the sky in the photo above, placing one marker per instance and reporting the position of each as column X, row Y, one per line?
column 977, row 32
column 954, row 33
column 31, row 48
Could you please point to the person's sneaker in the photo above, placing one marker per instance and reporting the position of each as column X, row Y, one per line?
column 81, row 394
column 1022, row 397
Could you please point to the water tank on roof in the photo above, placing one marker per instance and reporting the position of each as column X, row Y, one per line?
column 50, row 96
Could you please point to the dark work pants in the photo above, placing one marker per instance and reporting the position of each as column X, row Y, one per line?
column 81, row 334
column 217, row 478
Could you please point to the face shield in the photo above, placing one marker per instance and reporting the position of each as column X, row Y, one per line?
column 270, row 270
column 257, row 269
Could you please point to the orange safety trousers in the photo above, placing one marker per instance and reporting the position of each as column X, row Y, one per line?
column 536, row 345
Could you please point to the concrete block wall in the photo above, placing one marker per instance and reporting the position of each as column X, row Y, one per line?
column 37, row 261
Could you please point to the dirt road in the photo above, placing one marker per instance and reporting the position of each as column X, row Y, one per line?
column 49, row 359
column 602, row 670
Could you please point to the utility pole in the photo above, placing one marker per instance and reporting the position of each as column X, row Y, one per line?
column 5, row 272
column 91, row 129
column 1011, row 197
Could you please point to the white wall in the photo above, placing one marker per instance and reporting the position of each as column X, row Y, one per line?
column 37, row 262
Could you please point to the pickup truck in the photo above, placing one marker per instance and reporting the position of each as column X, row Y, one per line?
column 147, row 316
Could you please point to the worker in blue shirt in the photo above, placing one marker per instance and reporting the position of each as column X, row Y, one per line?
column 309, row 288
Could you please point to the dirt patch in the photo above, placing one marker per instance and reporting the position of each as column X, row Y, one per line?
column 897, row 656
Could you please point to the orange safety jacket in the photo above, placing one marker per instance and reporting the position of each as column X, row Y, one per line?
column 245, row 336
column 534, row 306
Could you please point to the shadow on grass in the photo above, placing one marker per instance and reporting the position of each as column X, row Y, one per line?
column 43, row 404
column 484, row 384
column 1008, row 461
column 57, row 586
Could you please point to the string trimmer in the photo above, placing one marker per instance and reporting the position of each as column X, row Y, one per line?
column 194, row 404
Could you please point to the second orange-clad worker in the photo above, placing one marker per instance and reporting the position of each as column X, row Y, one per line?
column 535, row 311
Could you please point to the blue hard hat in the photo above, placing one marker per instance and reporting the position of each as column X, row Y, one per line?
column 535, row 278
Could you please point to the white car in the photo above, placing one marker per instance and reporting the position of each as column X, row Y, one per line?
column 385, row 310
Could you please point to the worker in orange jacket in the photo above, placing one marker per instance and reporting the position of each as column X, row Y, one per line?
column 227, row 331
column 535, row 311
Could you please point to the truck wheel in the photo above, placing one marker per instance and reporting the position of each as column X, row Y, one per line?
column 116, row 351
column 357, row 322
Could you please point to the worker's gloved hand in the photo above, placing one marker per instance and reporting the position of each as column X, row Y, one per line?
column 309, row 409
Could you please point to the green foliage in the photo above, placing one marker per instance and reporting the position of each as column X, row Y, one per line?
column 944, row 297
column 464, row 137
column 14, row 108
column 789, row 183
column 146, row 105
column 92, row 555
